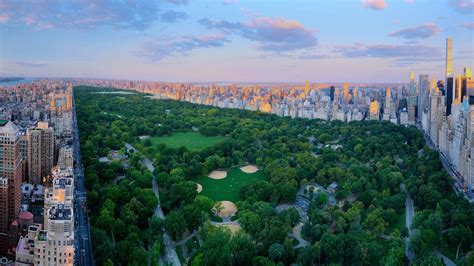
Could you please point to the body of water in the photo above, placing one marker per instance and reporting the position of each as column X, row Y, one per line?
column 17, row 82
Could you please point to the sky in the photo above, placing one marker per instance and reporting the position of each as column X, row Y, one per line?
column 375, row 41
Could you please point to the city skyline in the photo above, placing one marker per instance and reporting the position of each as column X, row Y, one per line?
column 241, row 41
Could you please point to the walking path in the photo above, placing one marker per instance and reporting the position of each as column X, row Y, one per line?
column 170, row 251
column 410, row 214
column 296, row 233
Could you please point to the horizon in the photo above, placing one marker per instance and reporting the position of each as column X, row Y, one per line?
column 368, row 41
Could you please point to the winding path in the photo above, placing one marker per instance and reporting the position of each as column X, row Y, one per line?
column 410, row 214
column 296, row 233
column 170, row 251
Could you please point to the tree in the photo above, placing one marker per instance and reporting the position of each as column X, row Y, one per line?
column 155, row 254
column 102, row 245
column 217, row 248
column 175, row 224
column 243, row 249
column 276, row 252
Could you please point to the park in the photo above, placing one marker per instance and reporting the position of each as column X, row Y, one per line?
column 192, row 141
column 228, row 187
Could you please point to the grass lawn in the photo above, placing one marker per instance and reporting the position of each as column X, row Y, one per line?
column 192, row 141
column 229, row 187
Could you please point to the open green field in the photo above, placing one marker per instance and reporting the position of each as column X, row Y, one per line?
column 192, row 141
column 229, row 187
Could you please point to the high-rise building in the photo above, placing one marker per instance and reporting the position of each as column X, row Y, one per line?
column 449, row 75
column 10, row 179
column 40, row 152
column 374, row 110
column 467, row 86
column 411, row 113
column 65, row 159
column 331, row 93
column 49, row 247
column 423, row 97
column 388, row 104
column 346, row 96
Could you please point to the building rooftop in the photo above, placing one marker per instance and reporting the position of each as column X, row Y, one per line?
column 24, row 215
column 9, row 128
column 59, row 212
column 62, row 182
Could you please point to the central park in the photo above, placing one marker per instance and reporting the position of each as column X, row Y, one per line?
column 246, row 188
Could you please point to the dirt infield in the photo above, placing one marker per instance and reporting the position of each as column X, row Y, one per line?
column 199, row 188
column 249, row 169
column 228, row 209
column 217, row 174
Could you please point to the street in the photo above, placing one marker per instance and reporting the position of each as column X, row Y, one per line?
column 83, row 241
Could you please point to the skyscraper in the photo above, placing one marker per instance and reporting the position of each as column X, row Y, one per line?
column 388, row 104
column 40, row 152
column 331, row 93
column 449, row 75
column 423, row 96
column 411, row 100
column 374, row 110
column 346, row 95
column 10, row 179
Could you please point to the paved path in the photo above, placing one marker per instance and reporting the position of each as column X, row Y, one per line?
column 170, row 251
column 182, row 241
column 447, row 261
column 296, row 233
column 410, row 214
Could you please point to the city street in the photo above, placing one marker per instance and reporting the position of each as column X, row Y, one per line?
column 83, row 241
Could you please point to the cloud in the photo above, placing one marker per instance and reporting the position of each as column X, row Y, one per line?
column 4, row 18
column 418, row 32
column 87, row 14
column 178, row 2
column 469, row 26
column 26, row 64
column 230, row 2
column 403, row 53
column 163, row 47
column 272, row 34
column 375, row 4
column 171, row 16
column 313, row 56
column 463, row 6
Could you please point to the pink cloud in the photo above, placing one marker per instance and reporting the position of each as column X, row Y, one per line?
column 272, row 34
column 375, row 4
column 469, row 26
column 4, row 18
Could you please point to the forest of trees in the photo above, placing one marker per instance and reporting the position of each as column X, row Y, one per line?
column 370, row 160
